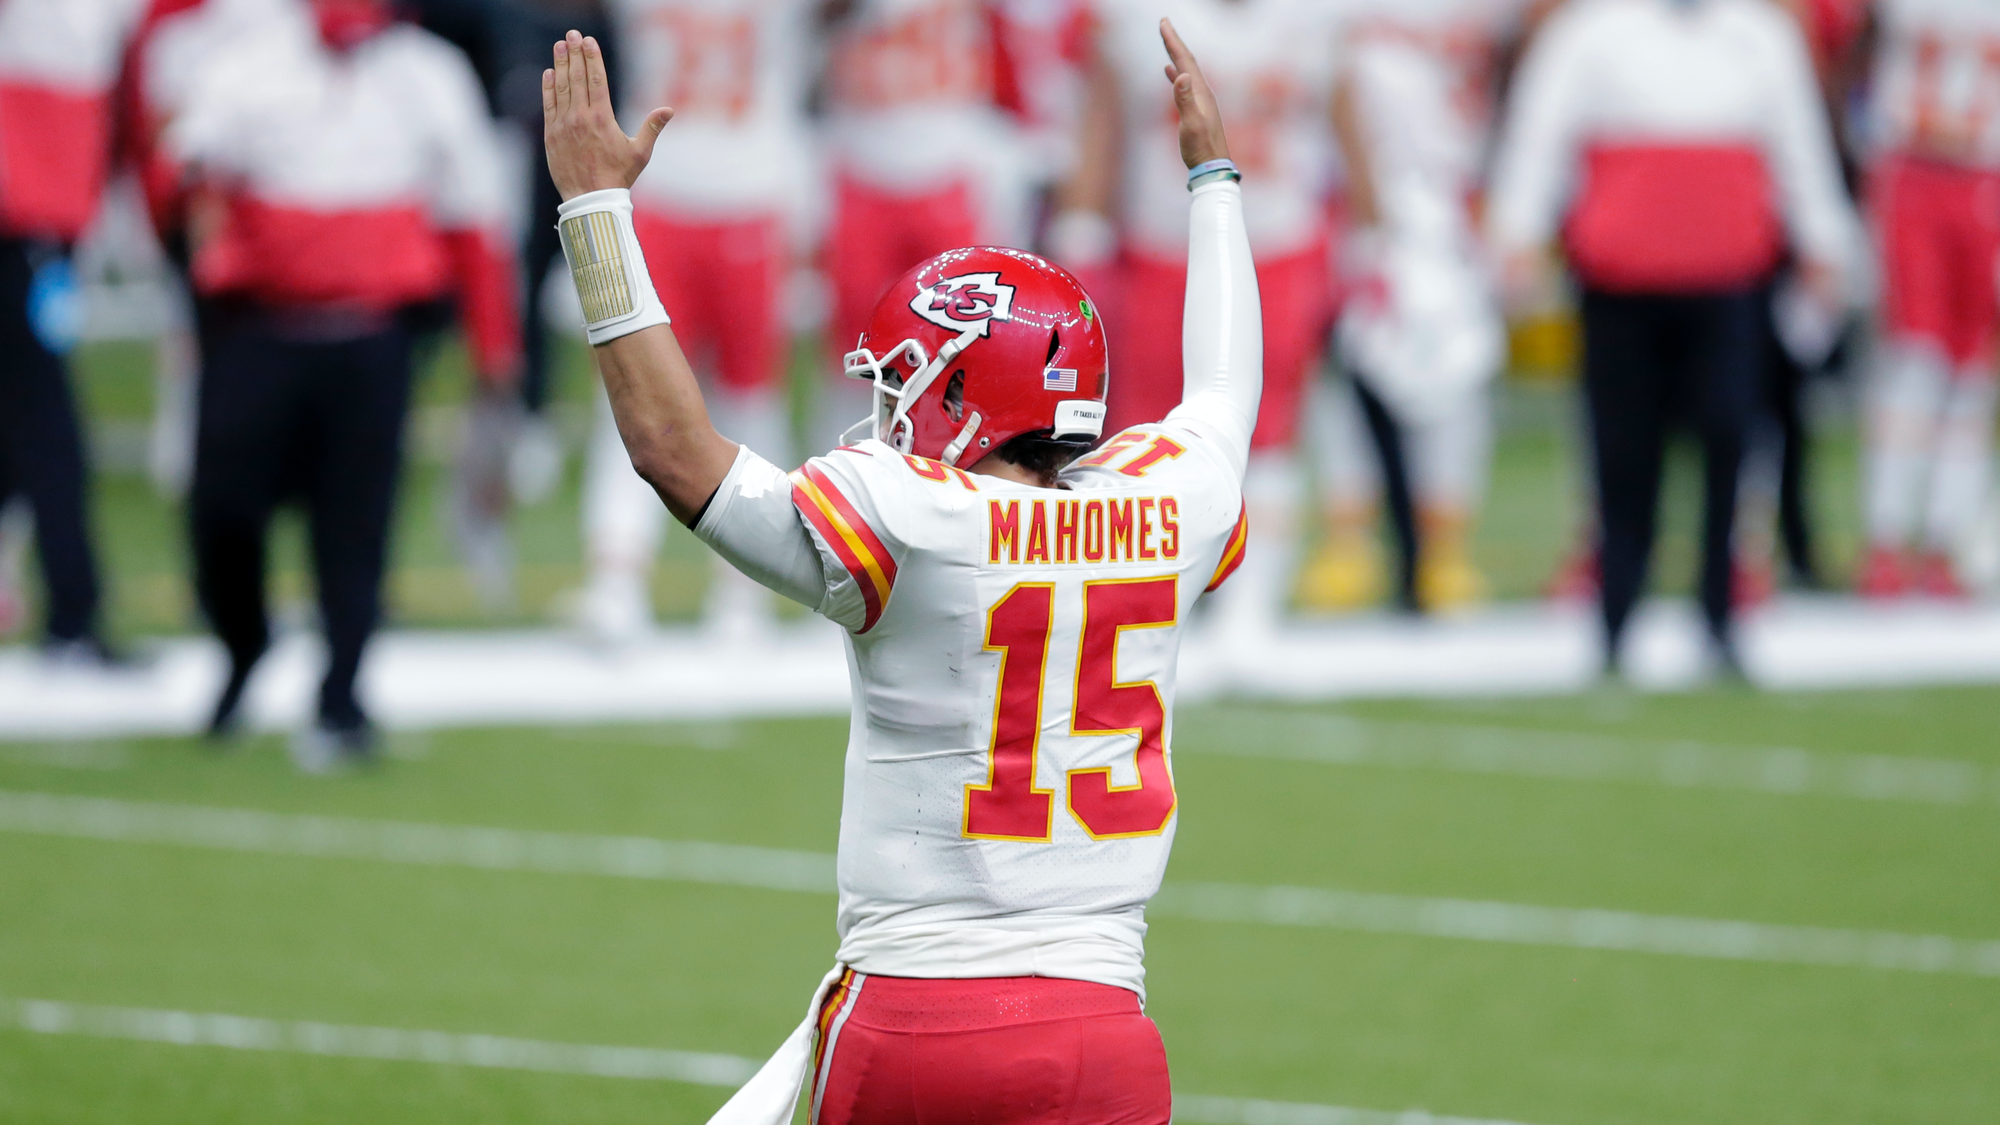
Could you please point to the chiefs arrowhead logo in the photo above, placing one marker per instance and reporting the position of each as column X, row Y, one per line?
column 970, row 302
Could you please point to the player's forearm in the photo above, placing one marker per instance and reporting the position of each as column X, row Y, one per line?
column 1094, row 182
column 662, row 419
column 1362, row 207
column 1222, row 325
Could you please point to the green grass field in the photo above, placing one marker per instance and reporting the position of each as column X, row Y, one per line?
column 1532, row 515
column 1537, row 1033
column 1544, row 1033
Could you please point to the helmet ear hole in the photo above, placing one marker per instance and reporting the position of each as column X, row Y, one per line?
column 954, row 396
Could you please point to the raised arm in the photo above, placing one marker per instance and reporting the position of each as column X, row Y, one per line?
column 653, row 391
column 1222, row 324
column 737, row 502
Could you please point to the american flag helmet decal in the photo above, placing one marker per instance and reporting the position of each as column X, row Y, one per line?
column 1059, row 379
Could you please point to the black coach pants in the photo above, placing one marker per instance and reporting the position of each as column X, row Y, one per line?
column 41, row 449
column 282, row 417
column 1650, row 360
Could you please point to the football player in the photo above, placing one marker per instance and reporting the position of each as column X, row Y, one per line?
column 719, row 214
column 1272, row 63
column 340, row 187
column 1013, row 611
column 1936, row 202
column 1420, row 329
column 921, row 154
column 58, row 62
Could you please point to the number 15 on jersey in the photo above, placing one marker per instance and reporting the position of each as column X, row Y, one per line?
column 1008, row 806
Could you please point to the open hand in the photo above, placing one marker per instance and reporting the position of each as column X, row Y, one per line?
column 587, row 150
column 1201, row 122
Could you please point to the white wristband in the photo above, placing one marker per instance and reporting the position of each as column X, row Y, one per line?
column 607, row 266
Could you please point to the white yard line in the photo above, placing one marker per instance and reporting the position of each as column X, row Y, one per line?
column 499, row 849
column 248, row 1033
column 67, row 755
column 639, row 857
column 1562, row 927
column 499, row 1052
column 1336, row 739
column 1254, row 1111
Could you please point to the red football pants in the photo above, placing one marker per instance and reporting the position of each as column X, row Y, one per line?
column 1940, row 246
column 1295, row 291
column 995, row 1051
column 878, row 235
column 722, row 283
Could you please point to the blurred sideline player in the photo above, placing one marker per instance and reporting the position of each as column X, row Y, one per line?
column 1935, row 196
column 1271, row 64
column 920, row 153
column 166, row 59
column 1678, row 146
column 342, row 186
column 1014, row 618
column 55, row 150
column 1420, row 331
column 719, row 212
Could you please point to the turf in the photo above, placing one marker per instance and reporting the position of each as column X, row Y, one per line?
column 1533, row 513
column 1534, row 1034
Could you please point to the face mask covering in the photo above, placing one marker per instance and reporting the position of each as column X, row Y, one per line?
column 345, row 24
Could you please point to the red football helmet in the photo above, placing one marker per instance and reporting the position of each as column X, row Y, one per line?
column 977, row 346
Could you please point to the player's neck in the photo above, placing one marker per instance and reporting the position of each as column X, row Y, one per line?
column 1007, row 470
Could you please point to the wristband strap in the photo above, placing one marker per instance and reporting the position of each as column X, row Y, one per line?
column 1210, row 170
column 607, row 266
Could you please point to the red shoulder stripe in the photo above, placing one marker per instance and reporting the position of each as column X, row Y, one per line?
column 1232, row 552
column 857, row 546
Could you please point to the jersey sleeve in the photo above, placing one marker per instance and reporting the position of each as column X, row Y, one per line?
column 1222, row 328
column 752, row 522
column 847, row 499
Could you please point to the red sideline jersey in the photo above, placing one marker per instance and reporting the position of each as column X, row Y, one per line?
column 1679, row 146
column 174, row 46
column 366, row 179
column 1935, row 186
column 59, row 62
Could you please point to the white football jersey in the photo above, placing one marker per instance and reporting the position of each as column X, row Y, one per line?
column 735, row 73
column 1009, row 801
column 1937, row 86
column 1271, row 63
column 1424, row 73
column 910, row 94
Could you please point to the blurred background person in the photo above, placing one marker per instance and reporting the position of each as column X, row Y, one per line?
column 1419, row 332
column 166, row 58
column 509, row 452
column 341, row 186
column 1935, row 195
column 1807, row 340
column 1677, row 144
column 59, row 62
column 1271, row 63
column 720, row 212
column 921, row 156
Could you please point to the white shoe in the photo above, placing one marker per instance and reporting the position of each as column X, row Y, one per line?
column 321, row 749
column 535, row 463
column 615, row 610
column 737, row 611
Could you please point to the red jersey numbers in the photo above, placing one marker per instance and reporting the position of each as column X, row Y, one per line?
column 1106, row 707
column 940, row 472
column 1109, row 530
column 940, row 54
column 1151, row 453
column 713, row 72
column 1008, row 806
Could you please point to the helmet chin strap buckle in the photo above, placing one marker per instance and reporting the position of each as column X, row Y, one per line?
column 964, row 438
